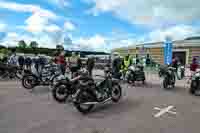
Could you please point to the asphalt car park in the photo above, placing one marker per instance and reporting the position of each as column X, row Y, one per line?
column 143, row 109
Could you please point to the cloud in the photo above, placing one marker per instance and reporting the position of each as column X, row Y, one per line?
column 2, row 27
column 96, row 42
column 69, row 26
column 40, row 19
column 44, row 40
column 28, row 8
column 177, row 32
column 59, row 3
column 149, row 12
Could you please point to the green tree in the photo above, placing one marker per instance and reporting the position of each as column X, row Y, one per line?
column 59, row 48
column 33, row 44
column 22, row 44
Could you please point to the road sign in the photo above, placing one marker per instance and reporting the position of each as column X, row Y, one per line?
column 168, row 51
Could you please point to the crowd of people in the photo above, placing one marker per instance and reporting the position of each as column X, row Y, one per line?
column 74, row 63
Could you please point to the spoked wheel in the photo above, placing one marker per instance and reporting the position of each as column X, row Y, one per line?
column 28, row 82
column 59, row 93
column 116, row 93
column 194, row 88
column 84, row 97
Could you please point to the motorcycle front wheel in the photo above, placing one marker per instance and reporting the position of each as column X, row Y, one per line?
column 59, row 93
column 193, row 87
column 116, row 92
column 165, row 83
column 29, row 82
column 83, row 97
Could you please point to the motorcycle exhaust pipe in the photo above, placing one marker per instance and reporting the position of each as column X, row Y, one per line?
column 94, row 103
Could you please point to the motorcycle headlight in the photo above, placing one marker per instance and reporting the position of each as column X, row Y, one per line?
column 197, row 75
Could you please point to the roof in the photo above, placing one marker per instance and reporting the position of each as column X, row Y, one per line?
column 188, row 42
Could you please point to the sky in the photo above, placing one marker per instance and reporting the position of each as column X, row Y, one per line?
column 97, row 25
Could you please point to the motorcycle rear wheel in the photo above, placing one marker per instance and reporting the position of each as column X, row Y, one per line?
column 83, row 97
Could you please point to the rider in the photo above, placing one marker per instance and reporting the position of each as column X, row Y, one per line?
column 116, row 65
column 74, row 63
column 125, row 64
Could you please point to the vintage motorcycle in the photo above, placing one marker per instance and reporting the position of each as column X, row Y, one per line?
column 47, row 77
column 135, row 73
column 92, row 93
column 66, row 88
column 169, row 78
column 195, row 84
column 8, row 71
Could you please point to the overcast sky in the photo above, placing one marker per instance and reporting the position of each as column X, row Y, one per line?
column 98, row 25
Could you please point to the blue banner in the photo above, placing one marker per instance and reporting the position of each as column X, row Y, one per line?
column 168, row 52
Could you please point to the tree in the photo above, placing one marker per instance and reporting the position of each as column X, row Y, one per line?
column 59, row 47
column 22, row 44
column 34, row 44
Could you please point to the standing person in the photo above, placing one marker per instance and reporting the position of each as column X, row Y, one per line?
column 74, row 64
column 125, row 64
column 148, row 64
column 79, row 61
column 28, row 62
column 36, row 62
column 62, row 62
column 13, row 58
column 137, row 59
column 194, row 66
column 116, row 66
column 90, row 65
column 21, row 61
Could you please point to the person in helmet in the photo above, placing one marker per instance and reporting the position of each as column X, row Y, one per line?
column 116, row 66
column 127, row 61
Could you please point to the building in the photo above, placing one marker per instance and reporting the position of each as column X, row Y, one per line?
column 185, row 50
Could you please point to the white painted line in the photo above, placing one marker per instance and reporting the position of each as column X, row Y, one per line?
column 163, row 111
column 171, row 112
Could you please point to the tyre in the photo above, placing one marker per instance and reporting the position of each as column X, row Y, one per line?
column 116, row 92
column 59, row 93
column 193, row 87
column 82, row 97
column 165, row 83
column 29, row 82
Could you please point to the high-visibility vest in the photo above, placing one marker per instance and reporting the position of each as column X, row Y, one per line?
column 127, row 63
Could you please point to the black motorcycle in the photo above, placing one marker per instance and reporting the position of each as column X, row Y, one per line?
column 195, row 84
column 65, row 88
column 169, row 78
column 8, row 71
column 135, row 73
column 92, row 93
column 47, row 77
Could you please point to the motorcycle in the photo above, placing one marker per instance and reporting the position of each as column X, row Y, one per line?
column 135, row 73
column 93, row 93
column 180, row 72
column 68, row 87
column 195, row 84
column 8, row 71
column 169, row 78
column 47, row 77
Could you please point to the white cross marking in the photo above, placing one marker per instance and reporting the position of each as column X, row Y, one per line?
column 163, row 111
